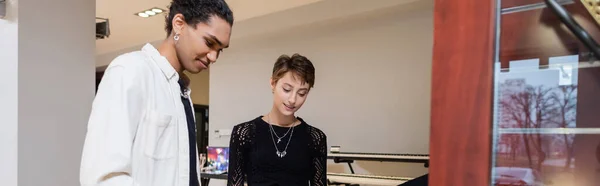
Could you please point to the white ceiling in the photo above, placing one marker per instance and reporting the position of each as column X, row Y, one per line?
column 128, row 30
column 251, row 17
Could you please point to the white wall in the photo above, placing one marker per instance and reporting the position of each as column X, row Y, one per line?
column 51, row 61
column 372, row 90
column 200, row 86
column 105, row 59
column 8, row 95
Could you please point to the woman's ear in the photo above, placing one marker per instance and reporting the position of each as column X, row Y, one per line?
column 272, row 82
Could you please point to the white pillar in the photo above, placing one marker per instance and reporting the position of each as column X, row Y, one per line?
column 47, row 79
column 8, row 95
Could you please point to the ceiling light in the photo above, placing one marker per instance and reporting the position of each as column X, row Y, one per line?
column 150, row 12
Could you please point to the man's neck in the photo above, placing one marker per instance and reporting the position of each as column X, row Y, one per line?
column 186, row 80
column 167, row 49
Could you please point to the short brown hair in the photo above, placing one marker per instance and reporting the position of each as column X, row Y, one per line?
column 297, row 64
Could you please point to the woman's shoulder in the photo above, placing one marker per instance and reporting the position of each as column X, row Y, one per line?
column 316, row 133
column 246, row 124
column 245, row 128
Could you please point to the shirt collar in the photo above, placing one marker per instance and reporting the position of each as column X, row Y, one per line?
column 160, row 60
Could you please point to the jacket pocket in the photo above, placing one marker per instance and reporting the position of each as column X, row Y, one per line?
column 160, row 136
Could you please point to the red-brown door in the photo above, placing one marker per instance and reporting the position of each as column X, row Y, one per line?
column 461, row 105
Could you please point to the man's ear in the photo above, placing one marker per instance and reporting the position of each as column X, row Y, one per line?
column 178, row 23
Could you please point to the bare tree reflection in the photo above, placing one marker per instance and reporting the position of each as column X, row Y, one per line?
column 532, row 107
column 566, row 101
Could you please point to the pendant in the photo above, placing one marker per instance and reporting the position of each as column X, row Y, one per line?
column 278, row 140
column 281, row 154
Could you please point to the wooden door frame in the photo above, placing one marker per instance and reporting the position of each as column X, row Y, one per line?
column 462, row 87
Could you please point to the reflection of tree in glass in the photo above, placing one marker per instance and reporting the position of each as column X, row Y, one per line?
column 527, row 106
column 566, row 101
column 530, row 108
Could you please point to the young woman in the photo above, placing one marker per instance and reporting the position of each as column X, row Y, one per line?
column 278, row 148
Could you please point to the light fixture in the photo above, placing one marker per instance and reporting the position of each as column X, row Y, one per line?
column 141, row 14
column 149, row 12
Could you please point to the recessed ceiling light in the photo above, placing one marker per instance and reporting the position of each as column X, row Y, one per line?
column 150, row 12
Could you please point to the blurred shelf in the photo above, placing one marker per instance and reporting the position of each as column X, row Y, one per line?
column 549, row 130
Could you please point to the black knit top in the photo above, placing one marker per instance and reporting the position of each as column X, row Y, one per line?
column 254, row 159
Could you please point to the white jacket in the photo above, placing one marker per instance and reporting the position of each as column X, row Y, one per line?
column 137, row 131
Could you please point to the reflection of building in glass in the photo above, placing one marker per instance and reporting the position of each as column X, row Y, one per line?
column 508, row 88
column 507, row 143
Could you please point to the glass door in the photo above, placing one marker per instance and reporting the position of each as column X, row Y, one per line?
column 546, row 114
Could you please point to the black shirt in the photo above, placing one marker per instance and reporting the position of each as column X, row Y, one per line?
column 191, row 134
column 253, row 157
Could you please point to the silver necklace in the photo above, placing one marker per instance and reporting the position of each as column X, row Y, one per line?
column 184, row 93
column 280, row 154
column 273, row 130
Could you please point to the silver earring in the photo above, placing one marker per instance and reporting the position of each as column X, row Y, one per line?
column 176, row 37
